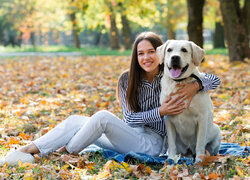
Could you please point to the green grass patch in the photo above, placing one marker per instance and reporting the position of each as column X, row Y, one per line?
column 90, row 50
column 221, row 51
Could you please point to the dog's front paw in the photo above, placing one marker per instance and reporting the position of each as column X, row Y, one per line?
column 175, row 158
column 199, row 158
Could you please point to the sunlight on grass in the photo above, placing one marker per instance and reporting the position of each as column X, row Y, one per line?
column 87, row 50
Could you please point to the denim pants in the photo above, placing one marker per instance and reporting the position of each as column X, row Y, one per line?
column 103, row 129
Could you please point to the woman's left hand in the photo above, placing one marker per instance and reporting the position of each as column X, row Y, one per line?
column 187, row 91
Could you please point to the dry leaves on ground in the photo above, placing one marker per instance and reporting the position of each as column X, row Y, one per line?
column 36, row 93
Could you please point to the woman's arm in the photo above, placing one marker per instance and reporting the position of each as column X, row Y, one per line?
column 135, row 118
column 209, row 82
column 187, row 91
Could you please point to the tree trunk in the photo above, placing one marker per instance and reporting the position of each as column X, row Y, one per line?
column 195, row 18
column 170, row 26
column 19, row 39
column 246, row 16
column 114, row 35
column 219, row 36
column 74, row 30
column 235, row 29
column 32, row 39
column 97, row 38
column 126, row 32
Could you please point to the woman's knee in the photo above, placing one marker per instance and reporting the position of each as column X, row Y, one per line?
column 102, row 117
column 102, row 114
column 75, row 120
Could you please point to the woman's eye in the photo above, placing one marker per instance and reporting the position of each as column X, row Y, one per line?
column 169, row 50
column 152, row 51
column 183, row 49
column 139, row 54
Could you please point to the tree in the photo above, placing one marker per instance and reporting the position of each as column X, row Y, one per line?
column 213, row 20
column 218, row 40
column 236, row 28
column 73, row 19
column 126, row 31
column 76, row 6
column 195, row 19
column 114, row 35
column 170, row 23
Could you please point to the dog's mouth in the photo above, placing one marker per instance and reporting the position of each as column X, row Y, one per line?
column 177, row 71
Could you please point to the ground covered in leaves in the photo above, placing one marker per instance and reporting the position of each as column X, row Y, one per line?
column 36, row 93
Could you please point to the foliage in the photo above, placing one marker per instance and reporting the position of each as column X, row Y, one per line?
column 37, row 93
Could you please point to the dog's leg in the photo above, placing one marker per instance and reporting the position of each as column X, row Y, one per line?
column 201, row 137
column 171, row 139
column 215, row 140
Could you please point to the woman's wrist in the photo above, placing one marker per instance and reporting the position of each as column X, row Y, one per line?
column 198, row 86
column 160, row 112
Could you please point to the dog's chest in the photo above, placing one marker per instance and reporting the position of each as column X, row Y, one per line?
column 188, row 119
column 168, row 86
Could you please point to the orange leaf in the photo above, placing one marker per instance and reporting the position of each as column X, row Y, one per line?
column 22, row 135
column 43, row 102
column 212, row 176
column 148, row 169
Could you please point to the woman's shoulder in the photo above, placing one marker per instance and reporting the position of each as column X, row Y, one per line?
column 124, row 76
column 123, row 79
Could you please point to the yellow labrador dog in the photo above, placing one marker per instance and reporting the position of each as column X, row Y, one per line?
column 192, row 131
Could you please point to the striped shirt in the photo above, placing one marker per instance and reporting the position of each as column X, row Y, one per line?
column 149, row 101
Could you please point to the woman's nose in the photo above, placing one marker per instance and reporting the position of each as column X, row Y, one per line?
column 146, row 56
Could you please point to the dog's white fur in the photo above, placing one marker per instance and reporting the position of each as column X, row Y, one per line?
column 193, row 129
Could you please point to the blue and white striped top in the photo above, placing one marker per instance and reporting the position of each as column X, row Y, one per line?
column 149, row 101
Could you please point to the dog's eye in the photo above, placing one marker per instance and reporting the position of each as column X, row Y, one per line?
column 183, row 49
column 169, row 50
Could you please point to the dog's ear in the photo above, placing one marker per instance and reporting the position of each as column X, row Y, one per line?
column 197, row 54
column 161, row 51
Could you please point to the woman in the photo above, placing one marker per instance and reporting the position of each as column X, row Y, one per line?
column 142, row 129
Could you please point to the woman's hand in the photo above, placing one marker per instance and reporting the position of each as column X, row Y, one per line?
column 172, row 106
column 187, row 91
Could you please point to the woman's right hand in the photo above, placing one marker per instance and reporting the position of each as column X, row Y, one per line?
column 172, row 106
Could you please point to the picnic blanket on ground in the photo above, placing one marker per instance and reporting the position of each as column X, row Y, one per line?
column 225, row 148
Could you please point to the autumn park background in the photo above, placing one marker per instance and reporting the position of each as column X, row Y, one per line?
column 63, row 57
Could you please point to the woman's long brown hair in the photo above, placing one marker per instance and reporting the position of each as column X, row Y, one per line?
column 135, row 70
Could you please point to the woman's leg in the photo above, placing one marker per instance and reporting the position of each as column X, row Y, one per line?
column 118, row 136
column 51, row 141
column 57, row 137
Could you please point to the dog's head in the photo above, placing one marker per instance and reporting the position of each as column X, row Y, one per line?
column 180, row 57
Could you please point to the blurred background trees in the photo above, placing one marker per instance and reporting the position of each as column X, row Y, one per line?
column 115, row 23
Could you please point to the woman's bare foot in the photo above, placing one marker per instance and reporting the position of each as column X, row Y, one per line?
column 62, row 149
column 30, row 148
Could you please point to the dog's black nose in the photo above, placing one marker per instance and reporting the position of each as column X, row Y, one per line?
column 175, row 61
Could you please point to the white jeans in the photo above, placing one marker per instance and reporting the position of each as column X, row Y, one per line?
column 103, row 129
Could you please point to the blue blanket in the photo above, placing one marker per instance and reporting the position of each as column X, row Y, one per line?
column 226, row 148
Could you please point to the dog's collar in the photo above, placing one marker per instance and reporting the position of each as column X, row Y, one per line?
column 193, row 76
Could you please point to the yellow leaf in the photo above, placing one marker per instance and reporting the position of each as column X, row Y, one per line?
column 28, row 176
column 65, row 166
column 65, row 75
column 102, row 175
column 239, row 171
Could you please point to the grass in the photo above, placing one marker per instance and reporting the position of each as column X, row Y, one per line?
column 90, row 50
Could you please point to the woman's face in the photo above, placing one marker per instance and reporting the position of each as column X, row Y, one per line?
column 147, row 57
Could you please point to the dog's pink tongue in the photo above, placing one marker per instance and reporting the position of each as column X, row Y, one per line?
column 175, row 72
